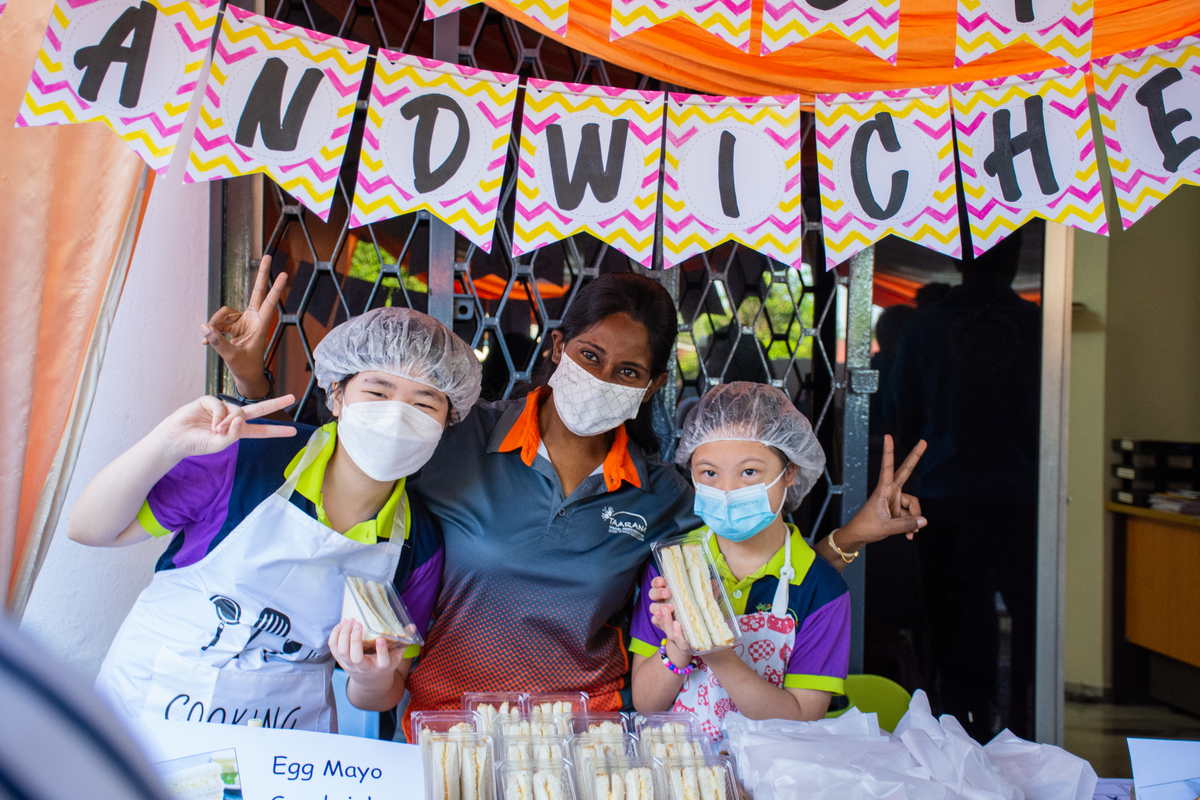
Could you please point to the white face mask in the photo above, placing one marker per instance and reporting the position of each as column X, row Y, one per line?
column 588, row 405
column 389, row 439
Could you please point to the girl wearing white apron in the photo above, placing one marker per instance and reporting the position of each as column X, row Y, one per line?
column 252, row 629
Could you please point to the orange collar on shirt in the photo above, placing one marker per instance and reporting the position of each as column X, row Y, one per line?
column 525, row 436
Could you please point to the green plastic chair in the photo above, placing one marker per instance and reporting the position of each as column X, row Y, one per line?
column 868, row 693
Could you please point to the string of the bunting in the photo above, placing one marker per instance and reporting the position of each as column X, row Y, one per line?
column 280, row 100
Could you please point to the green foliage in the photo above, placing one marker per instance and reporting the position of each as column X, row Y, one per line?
column 365, row 265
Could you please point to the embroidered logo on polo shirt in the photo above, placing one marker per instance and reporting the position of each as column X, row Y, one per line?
column 625, row 522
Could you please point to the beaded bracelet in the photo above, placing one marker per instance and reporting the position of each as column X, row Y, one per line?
column 683, row 671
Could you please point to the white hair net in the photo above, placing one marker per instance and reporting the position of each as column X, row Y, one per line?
column 404, row 343
column 756, row 412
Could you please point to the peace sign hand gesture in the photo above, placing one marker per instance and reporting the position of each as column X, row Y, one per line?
column 209, row 425
column 245, row 348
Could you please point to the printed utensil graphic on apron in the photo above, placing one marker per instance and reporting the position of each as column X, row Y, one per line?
column 228, row 611
column 272, row 621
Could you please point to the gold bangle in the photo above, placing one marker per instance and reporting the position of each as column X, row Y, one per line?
column 838, row 550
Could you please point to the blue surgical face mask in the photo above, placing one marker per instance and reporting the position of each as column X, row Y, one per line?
column 739, row 514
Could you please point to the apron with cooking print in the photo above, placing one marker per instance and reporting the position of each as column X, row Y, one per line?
column 766, row 645
column 244, row 632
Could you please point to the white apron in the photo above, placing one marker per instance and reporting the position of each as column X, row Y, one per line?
column 766, row 645
column 244, row 632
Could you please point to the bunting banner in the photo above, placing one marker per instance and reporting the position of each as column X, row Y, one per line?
column 733, row 173
column 589, row 162
column 550, row 14
column 436, row 139
column 1025, row 149
column 873, row 25
column 886, row 166
column 132, row 65
column 440, row 8
column 246, row 126
column 728, row 20
column 1063, row 28
column 1150, row 113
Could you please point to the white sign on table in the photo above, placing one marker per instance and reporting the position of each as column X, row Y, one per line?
column 271, row 764
column 1165, row 769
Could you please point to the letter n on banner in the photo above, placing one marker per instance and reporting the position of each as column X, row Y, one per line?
column 886, row 166
column 1150, row 112
column 131, row 64
column 873, row 25
column 279, row 100
column 733, row 173
column 1062, row 28
column 728, row 20
column 436, row 139
column 589, row 162
column 1025, row 149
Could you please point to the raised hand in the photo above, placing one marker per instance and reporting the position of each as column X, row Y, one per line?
column 888, row 510
column 248, row 331
column 209, row 425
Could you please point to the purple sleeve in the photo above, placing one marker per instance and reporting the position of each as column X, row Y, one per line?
column 193, row 498
column 420, row 592
column 823, row 641
column 642, row 627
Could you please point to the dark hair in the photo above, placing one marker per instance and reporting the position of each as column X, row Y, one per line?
column 647, row 303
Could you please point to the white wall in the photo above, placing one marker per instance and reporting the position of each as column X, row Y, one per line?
column 154, row 364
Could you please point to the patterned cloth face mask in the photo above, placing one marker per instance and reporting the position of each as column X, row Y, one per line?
column 588, row 405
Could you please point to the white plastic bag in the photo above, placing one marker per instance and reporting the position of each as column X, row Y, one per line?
column 1042, row 771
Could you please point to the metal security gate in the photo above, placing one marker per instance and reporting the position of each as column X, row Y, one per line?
column 742, row 316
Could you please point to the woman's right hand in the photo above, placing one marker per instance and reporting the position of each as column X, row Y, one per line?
column 209, row 425
column 663, row 616
column 245, row 350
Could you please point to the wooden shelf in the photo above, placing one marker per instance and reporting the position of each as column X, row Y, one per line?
column 1151, row 513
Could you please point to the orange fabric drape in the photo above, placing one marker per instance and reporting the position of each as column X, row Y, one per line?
column 65, row 196
column 681, row 53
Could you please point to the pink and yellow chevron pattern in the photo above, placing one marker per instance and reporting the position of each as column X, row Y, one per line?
column 3, row 5
column 468, row 203
column 440, row 8
column 1079, row 201
column 873, row 25
column 309, row 172
column 929, row 213
column 767, row 177
column 179, row 44
column 1139, row 173
column 985, row 26
column 728, row 20
column 626, row 222
column 550, row 14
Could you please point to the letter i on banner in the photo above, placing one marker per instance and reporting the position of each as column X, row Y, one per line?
column 436, row 139
column 131, row 64
column 279, row 100
column 886, row 166
column 1025, row 149
column 1150, row 112
column 733, row 173
column 873, row 25
column 728, row 20
column 1063, row 28
column 589, row 162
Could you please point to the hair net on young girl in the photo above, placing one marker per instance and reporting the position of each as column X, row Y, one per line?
column 755, row 412
column 404, row 343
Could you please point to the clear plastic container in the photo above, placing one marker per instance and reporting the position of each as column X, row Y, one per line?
column 600, row 721
column 459, row 765
column 541, row 725
column 530, row 780
column 376, row 605
column 600, row 746
column 667, row 722
column 549, row 749
column 443, row 722
column 492, row 707
column 697, row 592
column 622, row 778
column 663, row 743
column 702, row 778
column 557, row 708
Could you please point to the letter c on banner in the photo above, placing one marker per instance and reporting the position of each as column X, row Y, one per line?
column 885, row 127
column 425, row 108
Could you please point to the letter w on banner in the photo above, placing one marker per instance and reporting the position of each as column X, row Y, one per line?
column 1025, row 149
column 436, row 139
column 873, row 25
column 733, row 172
column 728, row 20
column 886, row 165
column 1150, row 112
column 279, row 100
column 1063, row 28
column 589, row 162
column 131, row 65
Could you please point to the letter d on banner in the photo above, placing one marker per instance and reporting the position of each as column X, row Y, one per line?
column 279, row 101
column 131, row 64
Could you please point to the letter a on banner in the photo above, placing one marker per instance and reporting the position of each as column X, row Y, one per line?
column 733, row 172
column 886, row 166
column 131, row 64
column 279, row 100
column 873, row 25
column 1063, row 28
column 436, row 139
column 589, row 162
column 1025, row 149
column 1150, row 111
column 728, row 20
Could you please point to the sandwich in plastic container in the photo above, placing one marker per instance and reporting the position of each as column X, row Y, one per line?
column 702, row 778
column 493, row 707
column 666, row 742
column 697, row 593
column 600, row 746
column 443, row 722
column 533, row 780
column 668, row 722
column 458, row 765
column 378, row 608
column 544, row 749
column 556, row 709
column 622, row 778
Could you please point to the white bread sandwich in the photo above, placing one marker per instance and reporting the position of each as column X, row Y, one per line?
column 367, row 601
column 701, row 579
